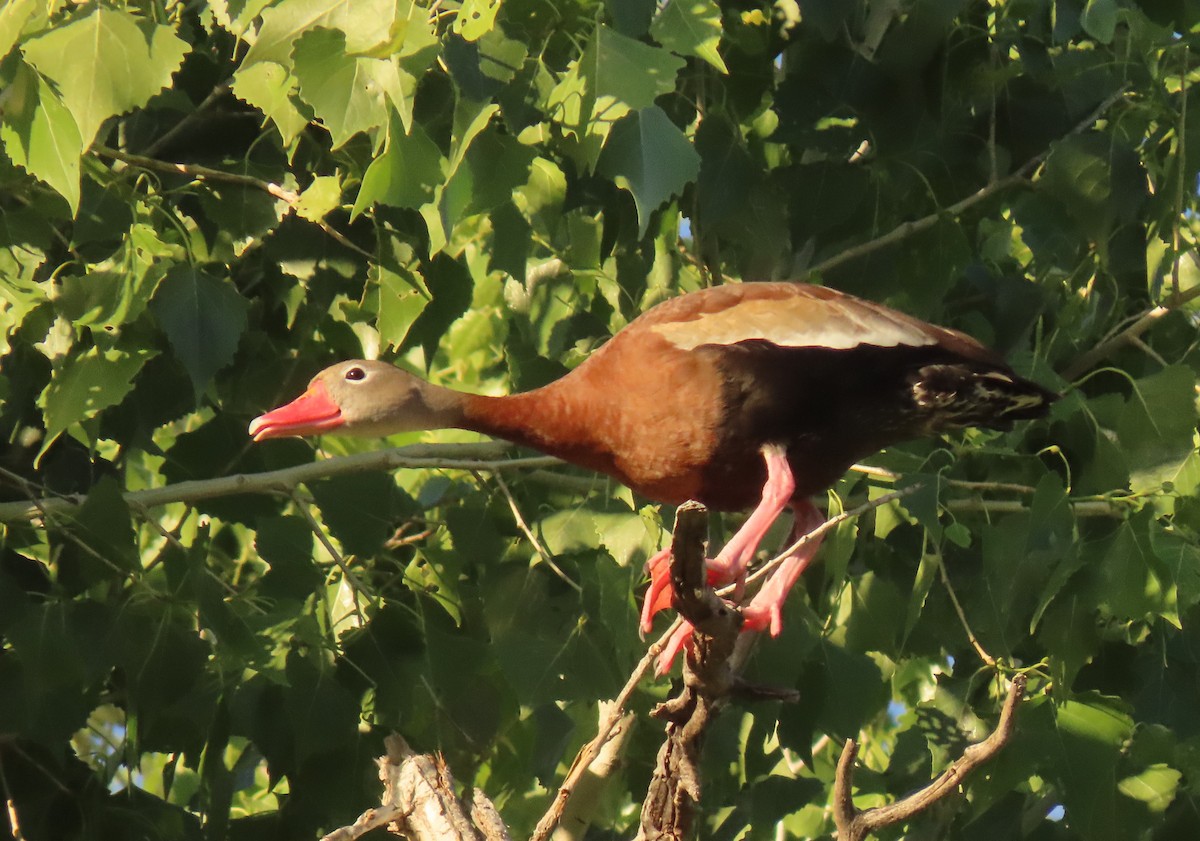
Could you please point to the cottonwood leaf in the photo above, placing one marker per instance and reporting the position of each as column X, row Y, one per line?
column 269, row 88
column 615, row 75
column 691, row 27
column 405, row 175
column 87, row 385
column 476, row 18
column 347, row 94
column 106, row 63
column 13, row 16
column 366, row 24
column 204, row 319
column 40, row 134
column 1155, row 786
column 650, row 157
column 320, row 198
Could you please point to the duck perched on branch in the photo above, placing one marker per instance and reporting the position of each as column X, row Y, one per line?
column 745, row 396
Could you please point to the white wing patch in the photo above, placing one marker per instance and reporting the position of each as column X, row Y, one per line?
column 829, row 324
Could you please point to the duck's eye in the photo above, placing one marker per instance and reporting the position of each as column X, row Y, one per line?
column 355, row 374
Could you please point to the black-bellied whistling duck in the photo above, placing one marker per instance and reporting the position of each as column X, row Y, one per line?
column 753, row 395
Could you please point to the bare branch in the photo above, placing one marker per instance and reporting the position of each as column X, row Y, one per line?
column 196, row 171
column 589, row 752
column 669, row 809
column 1020, row 176
column 485, row 457
column 1144, row 322
column 419, row 802
column 853, row 825
column 204, row 173
column 580, row 809
column 523, row 526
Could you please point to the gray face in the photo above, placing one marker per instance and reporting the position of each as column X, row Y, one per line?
column 379, row 399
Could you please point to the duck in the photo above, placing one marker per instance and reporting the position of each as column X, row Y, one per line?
column 744, row 397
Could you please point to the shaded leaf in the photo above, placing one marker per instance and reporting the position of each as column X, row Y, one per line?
column 648, row 156
column 204, row 319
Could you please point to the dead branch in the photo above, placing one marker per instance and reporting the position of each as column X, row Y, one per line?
column 419, row 802
column 581, row 808
column 673, row 796
column 853, row 825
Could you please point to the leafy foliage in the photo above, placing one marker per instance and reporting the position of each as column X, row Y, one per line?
column 201, row 203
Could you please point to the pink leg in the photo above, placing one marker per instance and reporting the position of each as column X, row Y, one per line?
column 730, row 564
column 765, row 609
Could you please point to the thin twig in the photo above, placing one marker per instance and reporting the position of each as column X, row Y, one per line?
column 357, row 586
column 14, row 822
column 853, row 825
column 546, row 557
column 962, row 616
column 197, row 171
column 1020, row 176
column 187, row 122
column 591, row 750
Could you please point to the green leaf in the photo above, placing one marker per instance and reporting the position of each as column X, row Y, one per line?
column 87, row 385
column 476, row 18
column 107, row 299
column 270, row 88
column 1181, row 557
column 1099, row 19
column 405, row 175
column 320, row 198
column 13, row 16
column 1092, row 731
column 81, row 58
column 366, row 24
column 40, row 134
column 650, row 157
column 347, row 94
column 615, row 75
column 451, row 284
column 286, row 543
column 1133, row 583
column 204, row 319
column 104, row 525
column 1155, row 786
column 691, row 27
column 402, row 299
column 359, row 510
column 1158, row 424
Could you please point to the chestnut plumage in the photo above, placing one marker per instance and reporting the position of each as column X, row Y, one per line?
column 757, row 394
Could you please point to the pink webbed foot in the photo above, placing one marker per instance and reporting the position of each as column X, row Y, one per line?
column 765, row 610
column 730, row 564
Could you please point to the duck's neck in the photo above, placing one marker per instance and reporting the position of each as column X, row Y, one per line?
column 556, row 420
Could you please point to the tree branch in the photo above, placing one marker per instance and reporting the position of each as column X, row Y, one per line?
column 1144, row 322
column 1020, row 176
column 669, row 809
column 419, row 802
column 484, row 456
column 197, row 171
column 290, row 197
column 608, row 723
column 853, row 825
